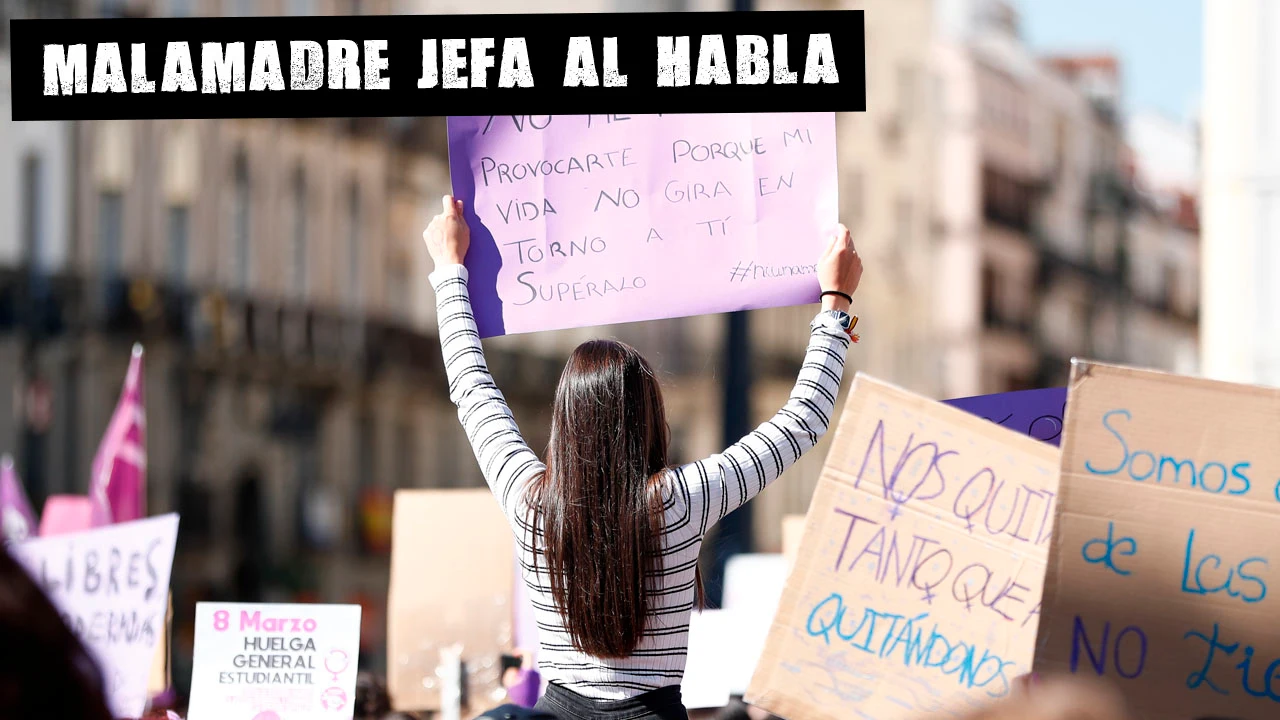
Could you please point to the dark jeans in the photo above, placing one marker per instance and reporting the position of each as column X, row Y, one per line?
column 661, row 704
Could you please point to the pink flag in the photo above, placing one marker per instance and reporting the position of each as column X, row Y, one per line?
column 118, row 488
column 17, row 522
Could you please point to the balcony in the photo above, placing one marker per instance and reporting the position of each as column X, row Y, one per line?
column 1018, row 221
column 994, row 318
column 1109, row 193
column 1054, row 262
column 1163, row 304
column 1007, row 200
column 39, row 305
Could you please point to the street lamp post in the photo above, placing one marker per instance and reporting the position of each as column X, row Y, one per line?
column 734, row 534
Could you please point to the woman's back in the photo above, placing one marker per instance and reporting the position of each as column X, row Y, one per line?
column 609, row 536
column 694, row 497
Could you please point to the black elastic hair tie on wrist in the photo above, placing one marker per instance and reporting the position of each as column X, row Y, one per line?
column 837, row 292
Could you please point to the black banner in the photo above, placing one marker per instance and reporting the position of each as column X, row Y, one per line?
column 373, row 66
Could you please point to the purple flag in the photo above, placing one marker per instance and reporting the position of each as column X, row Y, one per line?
column 119, row 483
column 1037, row 413
column 17, row 522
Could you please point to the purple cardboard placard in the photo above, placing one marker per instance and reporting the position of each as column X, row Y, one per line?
column 584, row 220
column 1037, row 413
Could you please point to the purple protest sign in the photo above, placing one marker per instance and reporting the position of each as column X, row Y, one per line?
column 1037, row 413
column 581, row 220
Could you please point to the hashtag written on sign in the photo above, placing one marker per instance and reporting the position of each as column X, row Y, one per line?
column 750, row 270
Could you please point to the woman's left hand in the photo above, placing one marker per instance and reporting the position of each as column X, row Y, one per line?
column 447, row 236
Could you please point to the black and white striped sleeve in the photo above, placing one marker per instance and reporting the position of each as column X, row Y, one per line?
column 722, row 483
column 504, row 457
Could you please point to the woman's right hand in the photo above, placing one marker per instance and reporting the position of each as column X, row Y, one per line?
column 839, row 269
column 447, row 236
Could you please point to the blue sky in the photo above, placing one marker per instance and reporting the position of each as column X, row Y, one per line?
column 1158, row 43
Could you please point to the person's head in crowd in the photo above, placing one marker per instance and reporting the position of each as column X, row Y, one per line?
column 601, row 495
column 372, row 699
column 739, row 710
column 1058, row 698
column 45, row 671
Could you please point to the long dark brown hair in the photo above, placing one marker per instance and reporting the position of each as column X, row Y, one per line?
column 45, row 671
column 600, row 501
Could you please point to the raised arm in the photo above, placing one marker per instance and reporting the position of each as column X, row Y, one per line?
column 724, row 482
column 504, row 457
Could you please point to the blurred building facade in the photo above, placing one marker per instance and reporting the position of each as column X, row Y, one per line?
column 275, row 273
column 994, row 197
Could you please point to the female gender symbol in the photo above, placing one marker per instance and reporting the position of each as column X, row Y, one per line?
column 337, row 659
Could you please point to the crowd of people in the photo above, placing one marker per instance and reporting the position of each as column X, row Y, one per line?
column 609, row 530
column 46, row 672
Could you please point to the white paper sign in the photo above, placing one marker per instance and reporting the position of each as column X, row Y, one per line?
column 707, row 679
column 112, row 586
column 754, row 581
column 275, row 662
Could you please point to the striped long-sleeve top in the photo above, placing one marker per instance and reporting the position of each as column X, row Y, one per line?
column 696, row 496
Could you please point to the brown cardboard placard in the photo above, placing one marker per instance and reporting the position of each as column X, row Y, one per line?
column 161, row 670
column 452, row 569
column 917, row 582
column 1167, row 541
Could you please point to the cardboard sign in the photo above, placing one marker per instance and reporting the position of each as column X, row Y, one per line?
column 581, row 220
column 161, row 678
column 708, row 677
column 451, row 588
column 917, row 583
column 1037, row 413
column 112, row 586
column 274, row 661
column 1167, row 542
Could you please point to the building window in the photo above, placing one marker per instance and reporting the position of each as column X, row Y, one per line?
column 298, row 265
column 450, row 441
column 406, row 459
column 179, row 240
column 1006, row 201
column 990, row 296
column 353, row 244
column 1060, row 144
column 71, row 410
column 32, row 204
column 906, row 92
column 366, row 472
column 398, row 295
column 1170, row 296
column 114, row 9
column 1018, row 381
column 111, row 231
column 856, row 199
column 904, row 221
column 240, row 199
